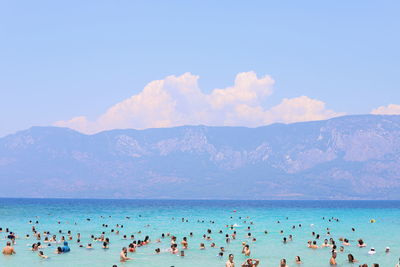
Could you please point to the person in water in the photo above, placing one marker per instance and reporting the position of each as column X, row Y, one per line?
column 332, row 261
column 251, row 263
column 65, row 248
column 123, row 256
column 282, row 263
column 230, row 262
column 351, row 258
column 8, row 249
column 41, row 254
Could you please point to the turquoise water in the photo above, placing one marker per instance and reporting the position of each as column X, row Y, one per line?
column 154, row 217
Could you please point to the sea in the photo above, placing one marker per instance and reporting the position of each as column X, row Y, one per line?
column 376, row 222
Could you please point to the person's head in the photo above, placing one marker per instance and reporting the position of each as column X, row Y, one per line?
column 182, row 253
column 8, row 243
column 59, row 249
column 124, row 249
column 230, row 257
column 297, row 258
column 41, row 253
column 387, row 249
column 350, row 257
column 334, row 254
column 375, row 265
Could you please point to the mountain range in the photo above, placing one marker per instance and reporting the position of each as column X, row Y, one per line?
column 349, row 157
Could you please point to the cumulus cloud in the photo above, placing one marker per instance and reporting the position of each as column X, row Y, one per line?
column 178, row 100
column 390, row 109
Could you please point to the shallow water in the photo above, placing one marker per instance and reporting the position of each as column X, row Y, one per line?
column 164, row 216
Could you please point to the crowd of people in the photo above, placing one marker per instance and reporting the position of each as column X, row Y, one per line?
column 46, row 239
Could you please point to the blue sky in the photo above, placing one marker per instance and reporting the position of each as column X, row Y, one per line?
column 65, row 59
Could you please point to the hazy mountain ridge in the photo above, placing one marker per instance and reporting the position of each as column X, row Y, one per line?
column 347, row 157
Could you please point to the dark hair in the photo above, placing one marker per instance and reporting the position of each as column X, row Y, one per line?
column 350, row 257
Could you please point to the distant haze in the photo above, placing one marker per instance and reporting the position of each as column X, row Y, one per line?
column 350, row 157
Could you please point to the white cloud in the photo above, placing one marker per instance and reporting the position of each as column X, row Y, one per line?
column 177, row 100
column 390, row 109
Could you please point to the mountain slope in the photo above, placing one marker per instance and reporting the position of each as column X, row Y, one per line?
column 351, row 157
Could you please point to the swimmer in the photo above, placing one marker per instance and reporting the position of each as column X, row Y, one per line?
column 351, row 258
column 246, row 250
column 298, row 260
column 313, row 245
column 41, row 254
column 332, row 261
column 282, row 263
column 325, row 244
column 230, row 262
column 123, row 256
column 65, row 248
column 251, row 263
column 361, row 243
column 372, row 251
column 8, row 249
column 174, row 248
column 132, row 247
column 398, row 264
column 184, row 243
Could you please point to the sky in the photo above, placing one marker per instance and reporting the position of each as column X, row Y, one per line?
column 100, row 65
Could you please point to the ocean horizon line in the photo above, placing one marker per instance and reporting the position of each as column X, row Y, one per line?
column 209, row 199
